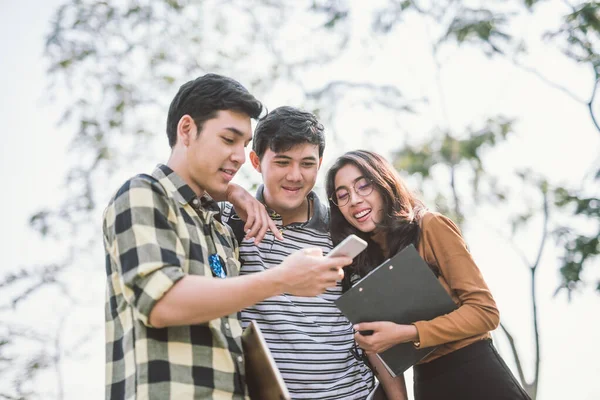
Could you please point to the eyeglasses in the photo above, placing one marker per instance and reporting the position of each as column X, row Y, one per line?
column 362, row 187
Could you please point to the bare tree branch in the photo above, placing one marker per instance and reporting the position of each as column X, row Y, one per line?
column 515, row 353
column 509, row 239
column 457, row 209
column 8, row 397
column 591, row 102
column 438, row 75
column 57, row 359
column 534, row 268
column 548, row 81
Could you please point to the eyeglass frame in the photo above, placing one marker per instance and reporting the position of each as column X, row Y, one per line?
column 333, row 198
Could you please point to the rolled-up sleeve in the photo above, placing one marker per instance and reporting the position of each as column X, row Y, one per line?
column 443, row 245
column 141, row 238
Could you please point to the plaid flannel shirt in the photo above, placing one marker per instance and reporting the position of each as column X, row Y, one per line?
column 156, row 231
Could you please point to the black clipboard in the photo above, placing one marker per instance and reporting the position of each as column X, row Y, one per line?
column 403, row 290
column 263, row 378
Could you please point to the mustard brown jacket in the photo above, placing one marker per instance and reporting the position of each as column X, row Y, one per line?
column 441, row 245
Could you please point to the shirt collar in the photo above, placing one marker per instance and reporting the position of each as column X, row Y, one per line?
column 181, row 191
column 320, row 218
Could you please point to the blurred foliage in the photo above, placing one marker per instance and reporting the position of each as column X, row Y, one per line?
column 461, row 154
column 453, row 154
column 121, row 62
column 482, row 27
column 581, row 33
column 580, row 249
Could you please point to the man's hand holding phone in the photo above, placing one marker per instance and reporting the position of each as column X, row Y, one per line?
column 308, row 273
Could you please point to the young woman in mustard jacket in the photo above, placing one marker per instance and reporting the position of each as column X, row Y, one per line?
column 368, row 198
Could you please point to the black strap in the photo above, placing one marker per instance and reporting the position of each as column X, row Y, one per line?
column 237, row 225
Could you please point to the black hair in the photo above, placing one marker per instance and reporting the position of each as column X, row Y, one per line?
column 286, row 127
column 400, row 220
column 203, row 97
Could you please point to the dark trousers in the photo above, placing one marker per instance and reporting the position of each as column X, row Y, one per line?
column 475, row 372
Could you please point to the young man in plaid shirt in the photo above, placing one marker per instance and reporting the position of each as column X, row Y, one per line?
column 173, row 290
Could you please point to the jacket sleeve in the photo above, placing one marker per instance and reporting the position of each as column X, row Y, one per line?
column 477, row 313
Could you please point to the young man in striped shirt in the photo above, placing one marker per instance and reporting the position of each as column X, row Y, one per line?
column 309, row 338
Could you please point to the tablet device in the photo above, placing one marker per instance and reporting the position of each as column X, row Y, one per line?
column 263, row 378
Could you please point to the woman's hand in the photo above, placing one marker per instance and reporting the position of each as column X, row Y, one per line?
column 385, row 335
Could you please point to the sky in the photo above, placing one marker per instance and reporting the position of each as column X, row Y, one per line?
column 33, row 163
column 33, row 160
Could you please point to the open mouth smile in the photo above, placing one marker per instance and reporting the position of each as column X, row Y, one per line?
column 229, row 173
column 362, row 214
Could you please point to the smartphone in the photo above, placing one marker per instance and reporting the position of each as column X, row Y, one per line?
column 349, row 247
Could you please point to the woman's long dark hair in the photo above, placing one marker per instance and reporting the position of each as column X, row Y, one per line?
column 400, row 220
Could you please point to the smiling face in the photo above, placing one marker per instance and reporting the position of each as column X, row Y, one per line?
column 362, row 212
column 210, row 160
column 288, row 178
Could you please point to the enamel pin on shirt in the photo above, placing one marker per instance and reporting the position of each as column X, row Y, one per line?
column 216, row 266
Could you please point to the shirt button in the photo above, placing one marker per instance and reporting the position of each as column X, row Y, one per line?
column 240, row 359
column 226, row 325
column 195, row 201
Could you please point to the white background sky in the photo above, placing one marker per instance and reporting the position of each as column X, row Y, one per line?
column 32, row 163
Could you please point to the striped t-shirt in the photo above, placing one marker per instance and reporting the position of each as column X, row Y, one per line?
column 308, row 336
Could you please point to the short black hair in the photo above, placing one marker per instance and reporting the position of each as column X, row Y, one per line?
column 203, row 97
column 286, row 127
